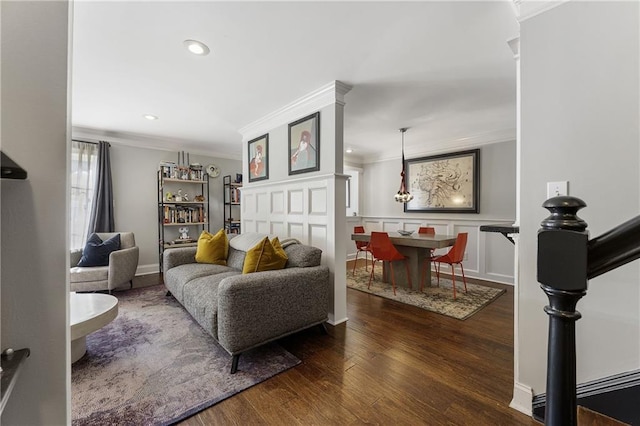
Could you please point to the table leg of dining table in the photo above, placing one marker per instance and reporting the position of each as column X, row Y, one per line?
column 416, row 257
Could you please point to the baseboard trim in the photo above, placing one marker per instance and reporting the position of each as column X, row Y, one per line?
column 148, row 269
column 522, row 397
column 596, row 387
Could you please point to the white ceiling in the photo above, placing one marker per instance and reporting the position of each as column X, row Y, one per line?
column 444, row 69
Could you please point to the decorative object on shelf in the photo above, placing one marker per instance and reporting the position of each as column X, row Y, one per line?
column 404, row 233
column 403, row 196
column 199, row 198
column 238, row 177
column 258, row 159
column 304, row 144
column 213, row 170
column 446, row 183
column 195, row 171
column 184, row 233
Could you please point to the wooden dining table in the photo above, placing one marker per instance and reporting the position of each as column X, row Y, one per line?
column 417, row 248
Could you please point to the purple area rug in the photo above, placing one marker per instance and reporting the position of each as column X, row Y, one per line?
column 154, row 365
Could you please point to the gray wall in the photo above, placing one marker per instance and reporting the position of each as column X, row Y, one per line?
column 135, row 194
column 579, row 69
column 380, row 181
column 34, row 211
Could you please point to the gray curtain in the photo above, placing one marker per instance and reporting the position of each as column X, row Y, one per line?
column 102, row 209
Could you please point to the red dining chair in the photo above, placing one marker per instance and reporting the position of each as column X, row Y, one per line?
column 383, row 249
column 454, row 256
column 427, row 230
column 362, row 246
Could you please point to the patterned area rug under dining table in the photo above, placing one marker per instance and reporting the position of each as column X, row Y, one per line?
column 433, row 298
column 154, row 365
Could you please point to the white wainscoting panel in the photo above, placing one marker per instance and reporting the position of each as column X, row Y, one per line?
column 304, row 209
column 318, row 201
column 296, row 201
column 489, row 256
column 277, row 202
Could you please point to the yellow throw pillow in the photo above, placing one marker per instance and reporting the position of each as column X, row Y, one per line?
column 213, row 248
column 265, row 256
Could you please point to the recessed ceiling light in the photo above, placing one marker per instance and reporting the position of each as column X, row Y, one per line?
column 196, row 47
column 349, row 150
column 150, row 117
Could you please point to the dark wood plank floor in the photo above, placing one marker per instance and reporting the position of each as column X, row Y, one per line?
column 389, row 364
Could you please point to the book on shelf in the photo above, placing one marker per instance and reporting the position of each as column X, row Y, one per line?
column 184, row 214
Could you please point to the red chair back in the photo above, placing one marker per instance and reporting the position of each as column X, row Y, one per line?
column 427, row 230
column 456, row 253
column 382, row 247
column 359, row 230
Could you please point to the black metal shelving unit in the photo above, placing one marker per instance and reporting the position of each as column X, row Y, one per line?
column 170, row 213
column 232, row 204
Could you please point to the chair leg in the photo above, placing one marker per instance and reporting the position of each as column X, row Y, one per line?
column 355, row 262
column 453, row 280
column 373, row 266
column 438, row 272
column 463, row 278
column 393, row 278
column 406, row 264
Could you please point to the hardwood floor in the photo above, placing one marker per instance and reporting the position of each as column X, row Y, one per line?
column 389, row 364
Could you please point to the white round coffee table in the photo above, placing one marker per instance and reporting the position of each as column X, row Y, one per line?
column 89, row 312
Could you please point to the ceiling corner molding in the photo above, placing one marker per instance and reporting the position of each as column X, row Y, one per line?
column 526, row 9
column 332, row 93
column 136, row 140
column 514, row 45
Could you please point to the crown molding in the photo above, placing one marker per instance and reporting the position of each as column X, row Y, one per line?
column 526, row 9
column 138, row 140
column 444, row 146
column 329, row 94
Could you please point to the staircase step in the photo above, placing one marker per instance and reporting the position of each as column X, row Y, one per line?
column 588, row 417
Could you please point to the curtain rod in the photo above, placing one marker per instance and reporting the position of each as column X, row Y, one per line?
column 93, row 143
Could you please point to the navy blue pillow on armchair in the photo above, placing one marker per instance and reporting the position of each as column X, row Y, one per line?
column 96, row 252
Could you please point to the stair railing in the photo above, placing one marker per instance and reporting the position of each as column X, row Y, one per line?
column 567, row 259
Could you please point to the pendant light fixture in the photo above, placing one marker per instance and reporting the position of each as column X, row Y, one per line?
column 403, row 196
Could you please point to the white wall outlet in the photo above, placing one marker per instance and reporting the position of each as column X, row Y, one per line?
column 555, row 189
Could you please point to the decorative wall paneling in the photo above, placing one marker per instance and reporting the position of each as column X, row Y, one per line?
column 303, row 209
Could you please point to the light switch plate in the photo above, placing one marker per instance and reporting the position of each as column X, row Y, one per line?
column 555, row 189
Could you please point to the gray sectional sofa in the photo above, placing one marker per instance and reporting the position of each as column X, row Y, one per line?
column 243, row 311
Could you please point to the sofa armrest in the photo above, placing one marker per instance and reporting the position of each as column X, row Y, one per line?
column 122, row 266
column 254, row 309
column 75, row 257
column 177, row 256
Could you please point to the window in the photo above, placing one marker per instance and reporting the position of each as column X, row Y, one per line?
column 84, row 161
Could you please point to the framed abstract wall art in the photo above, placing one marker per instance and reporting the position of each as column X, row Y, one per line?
column 304, row 144
column 259, row 158
column 447, row 183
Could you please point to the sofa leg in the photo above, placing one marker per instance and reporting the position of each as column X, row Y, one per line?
column 234, row 363
column 130, row 284
column 168, row 293
column 323, row 328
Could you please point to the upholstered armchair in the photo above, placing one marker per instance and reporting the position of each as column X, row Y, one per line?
column 120, row 270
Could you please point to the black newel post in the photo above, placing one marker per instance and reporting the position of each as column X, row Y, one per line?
column 562, row 273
